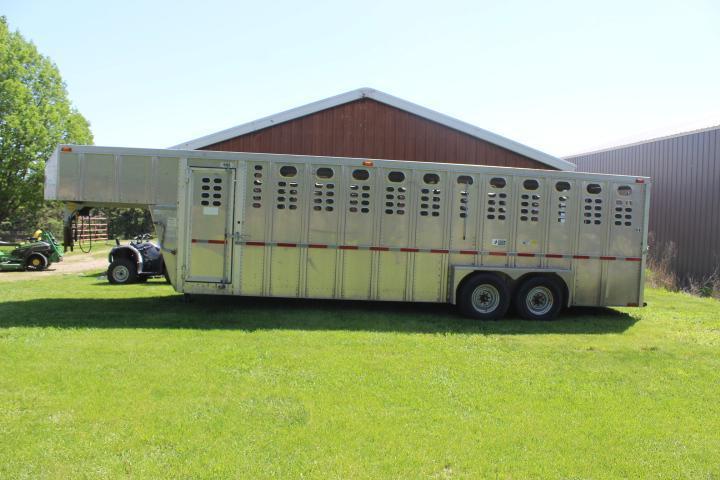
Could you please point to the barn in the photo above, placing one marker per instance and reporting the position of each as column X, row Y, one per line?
column 685, row 171
column 367, row 123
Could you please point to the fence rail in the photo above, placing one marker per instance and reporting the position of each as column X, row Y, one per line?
column 92, row 228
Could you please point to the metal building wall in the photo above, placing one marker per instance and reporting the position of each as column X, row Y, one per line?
column 370, row 129
column 685, row 200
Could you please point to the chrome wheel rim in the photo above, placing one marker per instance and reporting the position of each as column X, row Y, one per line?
column 485, row 298
column 539, row 300
column 120, row 273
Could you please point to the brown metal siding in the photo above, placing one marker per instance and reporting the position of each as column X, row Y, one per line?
column 369, row 129
column 685, row 200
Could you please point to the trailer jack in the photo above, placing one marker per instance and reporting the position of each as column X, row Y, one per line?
column 70, row 228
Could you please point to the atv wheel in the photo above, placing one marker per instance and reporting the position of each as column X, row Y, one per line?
column 121, row 272
column 37, row 262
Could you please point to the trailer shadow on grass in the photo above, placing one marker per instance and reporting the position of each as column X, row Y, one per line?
column 252, row 314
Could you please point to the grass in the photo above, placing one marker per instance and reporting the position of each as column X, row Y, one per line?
column 103, row 382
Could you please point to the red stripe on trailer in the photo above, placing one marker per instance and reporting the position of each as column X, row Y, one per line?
column 434, row 250
column 217, row 242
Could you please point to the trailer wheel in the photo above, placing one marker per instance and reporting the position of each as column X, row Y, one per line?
column 122, row 271
column 484, row 296
column 539, row 298
column 37, row 262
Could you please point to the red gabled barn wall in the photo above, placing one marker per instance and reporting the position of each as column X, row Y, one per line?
column 369, row 129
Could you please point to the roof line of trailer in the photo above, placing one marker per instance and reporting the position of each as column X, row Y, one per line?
column 351, row 161
column 387, row 99
column 643, row 142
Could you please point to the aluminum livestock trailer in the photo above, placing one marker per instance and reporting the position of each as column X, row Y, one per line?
column 343, row 228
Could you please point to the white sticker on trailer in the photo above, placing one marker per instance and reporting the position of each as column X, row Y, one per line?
column 211, row 211
column 499, row 242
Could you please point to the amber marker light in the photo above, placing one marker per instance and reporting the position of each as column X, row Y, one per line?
column 367, row 163
column 66, row 149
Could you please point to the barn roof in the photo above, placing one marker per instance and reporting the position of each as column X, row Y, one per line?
column 381, row 97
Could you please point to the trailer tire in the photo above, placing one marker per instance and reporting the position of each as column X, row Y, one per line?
column 37, row 262
column 539, row 298
column 122, row 271
column 484, row 296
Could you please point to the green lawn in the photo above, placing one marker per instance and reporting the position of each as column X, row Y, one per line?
column 99, row 381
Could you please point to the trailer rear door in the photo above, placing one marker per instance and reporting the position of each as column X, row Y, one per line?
column 210, row 200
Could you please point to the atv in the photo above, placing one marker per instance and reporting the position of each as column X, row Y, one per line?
column 38, row 253
column 136, row 262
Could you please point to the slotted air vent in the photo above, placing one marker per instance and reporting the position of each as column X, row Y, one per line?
column 287, row 192
column 324, row 197
column 593, row 206
column 497, row 201
column 530, row 202
column 211, row 191
column 257, row 190
column 395, row 195
column 430, row 198
column 359, row 193
column 464, row 207
column 624, row 207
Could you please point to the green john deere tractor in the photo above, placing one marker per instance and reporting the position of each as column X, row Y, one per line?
column 38, row 253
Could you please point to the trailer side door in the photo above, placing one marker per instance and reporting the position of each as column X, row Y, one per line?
column 210, row 200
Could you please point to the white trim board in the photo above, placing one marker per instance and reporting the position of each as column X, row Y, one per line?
column 381, row 97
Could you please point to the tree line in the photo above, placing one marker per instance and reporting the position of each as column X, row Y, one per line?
column 36, row 115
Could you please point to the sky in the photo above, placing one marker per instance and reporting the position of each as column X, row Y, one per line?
column 561, row 76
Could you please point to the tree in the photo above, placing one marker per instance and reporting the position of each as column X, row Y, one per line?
column 35, row 115
column 128, row 222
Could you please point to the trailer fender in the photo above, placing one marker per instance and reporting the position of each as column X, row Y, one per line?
column 127, row 251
